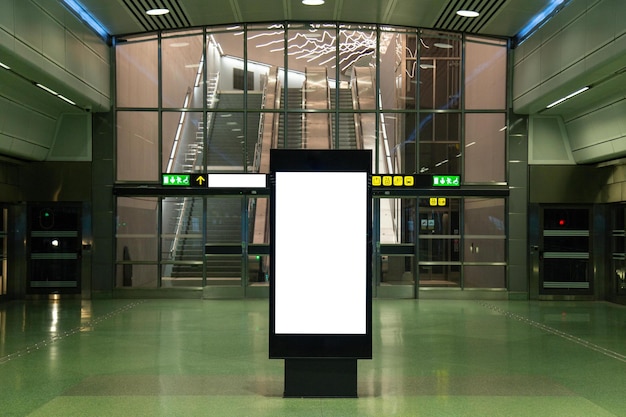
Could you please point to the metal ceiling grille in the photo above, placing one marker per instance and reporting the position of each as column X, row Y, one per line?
column 175, row 19
column 449, row 20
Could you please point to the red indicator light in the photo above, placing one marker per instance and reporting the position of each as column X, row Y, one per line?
column 561, row 222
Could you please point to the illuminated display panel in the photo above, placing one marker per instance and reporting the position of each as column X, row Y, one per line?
column 321, row 252
column 320, row 247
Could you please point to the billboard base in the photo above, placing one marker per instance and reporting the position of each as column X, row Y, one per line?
column 323, row 377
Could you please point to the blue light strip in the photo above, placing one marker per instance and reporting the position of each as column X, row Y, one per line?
column 539, row 20
column 89, row 20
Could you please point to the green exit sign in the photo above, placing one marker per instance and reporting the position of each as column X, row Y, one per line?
column 176, row 180
column 446, row 180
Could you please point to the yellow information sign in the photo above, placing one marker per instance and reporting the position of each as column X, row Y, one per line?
column 393, row 181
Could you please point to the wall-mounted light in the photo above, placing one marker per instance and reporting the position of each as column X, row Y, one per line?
column 561, row 100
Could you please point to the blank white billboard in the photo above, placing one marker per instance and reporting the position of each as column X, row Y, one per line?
column 320, row 276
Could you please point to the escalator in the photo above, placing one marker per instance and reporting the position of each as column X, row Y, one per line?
column 345, row 138
column 290, row 125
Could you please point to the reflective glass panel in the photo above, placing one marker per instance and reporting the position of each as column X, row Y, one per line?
column 356, row 63
column 226, row 75
column 137, row 241
column 439, row 143
column 226, row 141
column 137, row 146
column 181, row 242
column 397, row 70
column 485, row 147
column 182, row 66
column 223, row 227
column 440, row 71
column 484, row 276
column 485, row 76
column 137, row 74
column 485, row 230
column 141, row 276
column 183, row 146
column 397, row 133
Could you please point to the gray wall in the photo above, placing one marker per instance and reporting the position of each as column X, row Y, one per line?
column 581, row 46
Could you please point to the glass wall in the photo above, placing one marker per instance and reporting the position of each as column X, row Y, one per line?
column 216, row 99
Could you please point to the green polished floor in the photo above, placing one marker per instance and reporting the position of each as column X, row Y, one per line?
column 209, row 358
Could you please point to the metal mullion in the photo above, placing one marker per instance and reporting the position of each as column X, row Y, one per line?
column 286, row 82
column 160, row 156
column 244, row 154
column 377, row 101
column 244, row 242
column 244, row 199
column 204, row 239
column 462, row 107
column 337, row 85
column 204, row 146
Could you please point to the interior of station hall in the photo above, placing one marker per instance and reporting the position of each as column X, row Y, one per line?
column 101, row 104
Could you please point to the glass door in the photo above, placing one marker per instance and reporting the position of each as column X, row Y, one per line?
column 439, row 242
column 395, row 235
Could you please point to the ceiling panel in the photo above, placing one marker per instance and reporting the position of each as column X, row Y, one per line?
column 262, row 11
column 499, row 17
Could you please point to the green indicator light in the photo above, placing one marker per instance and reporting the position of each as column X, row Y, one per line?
column 258, row 258
column 446, row 180
column 176, row 180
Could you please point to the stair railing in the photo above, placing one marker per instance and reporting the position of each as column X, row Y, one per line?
column 193, row 155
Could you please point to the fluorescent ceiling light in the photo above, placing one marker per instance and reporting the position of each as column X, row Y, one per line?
column 5, row 66
column 467, row 13
column 49, row 90
column 157, row 12
column 443, row 45
column 179, row 44
column 427, row 66
column 561, row 100
column 67, row 100
column 312, row 2
column 54, row 93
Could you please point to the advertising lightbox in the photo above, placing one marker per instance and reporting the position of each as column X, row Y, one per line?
column 320, row 263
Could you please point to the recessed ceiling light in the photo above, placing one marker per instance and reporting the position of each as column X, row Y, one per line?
column 312, row 2
column 467, row 13
column 157, row 12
